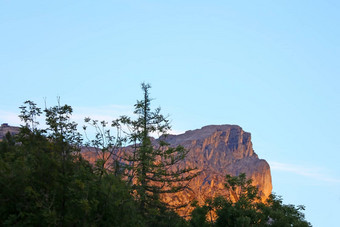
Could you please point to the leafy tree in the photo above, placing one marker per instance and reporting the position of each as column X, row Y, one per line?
column 44, row 181
column 152, row 165
column 283, row 215
column 109, row 173
column 199, row 215
column 243, row 207
column 106, row 146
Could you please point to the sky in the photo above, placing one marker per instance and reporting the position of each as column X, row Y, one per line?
column 271, row 67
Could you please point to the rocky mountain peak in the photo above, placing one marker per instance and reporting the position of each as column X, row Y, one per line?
column 217, row 150
column 228, row 139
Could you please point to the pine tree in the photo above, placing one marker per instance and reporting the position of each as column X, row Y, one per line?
column 153, row 168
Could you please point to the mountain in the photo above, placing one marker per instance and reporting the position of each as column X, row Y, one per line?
column 217, row 150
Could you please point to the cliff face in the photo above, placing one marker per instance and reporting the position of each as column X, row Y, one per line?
column 5, row 128
column 217, row 150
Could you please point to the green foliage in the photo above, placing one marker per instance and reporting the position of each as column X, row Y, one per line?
column 284, row 215
column 243, row 207
column 199, row 215
column 152, row 167
column 44, row 181
column 106, row 146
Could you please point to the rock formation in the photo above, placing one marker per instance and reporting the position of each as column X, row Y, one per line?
column 5, row 128
column 217, row 150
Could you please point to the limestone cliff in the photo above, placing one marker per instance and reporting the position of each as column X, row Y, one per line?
column 218, row 150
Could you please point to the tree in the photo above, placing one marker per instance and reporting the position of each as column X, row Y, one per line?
column 280, row 214
column 152, row 165
column 243, row 207
column 44, row 181
column 105, row 145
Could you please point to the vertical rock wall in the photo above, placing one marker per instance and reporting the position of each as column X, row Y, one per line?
column 217, row 150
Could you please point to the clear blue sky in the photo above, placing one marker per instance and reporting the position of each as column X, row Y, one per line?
column 271, row 67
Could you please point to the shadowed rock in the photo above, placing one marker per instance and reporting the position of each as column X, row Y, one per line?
column 5, row 128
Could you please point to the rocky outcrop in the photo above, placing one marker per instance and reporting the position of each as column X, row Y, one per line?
column 5, row 128
column 217, row 150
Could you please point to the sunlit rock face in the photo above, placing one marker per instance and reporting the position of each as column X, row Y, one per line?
column 217, row 150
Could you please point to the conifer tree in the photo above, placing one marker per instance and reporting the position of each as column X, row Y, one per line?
column 152, row 166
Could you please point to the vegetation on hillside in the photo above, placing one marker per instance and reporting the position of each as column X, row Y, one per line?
column 45, row 181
